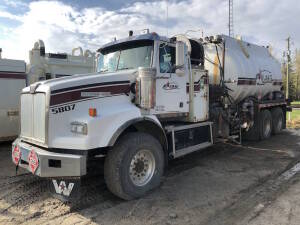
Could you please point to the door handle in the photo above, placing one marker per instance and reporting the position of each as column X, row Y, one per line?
column 13, row 113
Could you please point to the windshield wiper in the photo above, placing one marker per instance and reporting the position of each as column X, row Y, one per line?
column 125, row 68
column 104, row 70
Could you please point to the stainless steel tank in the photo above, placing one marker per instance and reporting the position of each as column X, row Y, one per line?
column 250, row 70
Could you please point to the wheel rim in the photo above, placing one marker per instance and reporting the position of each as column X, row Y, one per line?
column 142, row 167
column 267, row 128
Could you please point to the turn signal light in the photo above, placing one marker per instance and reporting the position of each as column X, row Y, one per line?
column 92, row 112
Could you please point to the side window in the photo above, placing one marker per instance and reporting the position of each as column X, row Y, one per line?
column 166, row 58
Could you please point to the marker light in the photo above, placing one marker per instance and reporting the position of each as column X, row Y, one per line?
column 92, row 112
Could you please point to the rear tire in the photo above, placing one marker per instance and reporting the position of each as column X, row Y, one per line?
column 134, row 166
column 278, row 120
column 265, row 124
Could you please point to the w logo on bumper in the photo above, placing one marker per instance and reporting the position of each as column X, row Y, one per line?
column 62, row 188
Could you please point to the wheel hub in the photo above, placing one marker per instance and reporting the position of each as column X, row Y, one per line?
column 142, row 167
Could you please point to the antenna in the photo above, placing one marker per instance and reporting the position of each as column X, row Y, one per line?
column 230, row 24
column 288, row 61
column 167, row 17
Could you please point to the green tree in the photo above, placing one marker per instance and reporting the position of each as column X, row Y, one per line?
column 294, row 77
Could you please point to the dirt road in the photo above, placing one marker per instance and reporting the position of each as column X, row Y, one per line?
column 256, row 183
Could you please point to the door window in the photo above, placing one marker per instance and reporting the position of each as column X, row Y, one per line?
column 166, row 58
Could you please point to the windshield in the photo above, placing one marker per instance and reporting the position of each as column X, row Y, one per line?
column 125, row 56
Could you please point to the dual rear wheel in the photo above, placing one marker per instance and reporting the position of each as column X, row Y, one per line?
column 267, row 122
column 278, row 120
column 271, row 122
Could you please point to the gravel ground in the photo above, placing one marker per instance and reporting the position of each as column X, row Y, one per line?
column 256, row 183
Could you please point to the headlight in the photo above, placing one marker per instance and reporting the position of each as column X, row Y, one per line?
column 79, row 128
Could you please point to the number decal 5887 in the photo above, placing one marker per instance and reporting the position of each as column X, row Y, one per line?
column 62, row 109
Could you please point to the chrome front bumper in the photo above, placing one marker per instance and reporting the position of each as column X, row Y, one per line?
column 51, row 164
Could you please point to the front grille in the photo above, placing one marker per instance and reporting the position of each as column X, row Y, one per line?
column 33, row 116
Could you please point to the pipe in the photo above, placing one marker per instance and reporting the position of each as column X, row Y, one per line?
column 88, row 53
column 75, row 49
column 223, row 67
column 185, row 40
column 191, row 91
column 39, row 45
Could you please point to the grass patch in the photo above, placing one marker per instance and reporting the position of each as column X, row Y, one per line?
column 295, row 103
column 295, row 119
column 295, row 115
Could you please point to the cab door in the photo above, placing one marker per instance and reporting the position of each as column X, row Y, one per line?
column 171, row 96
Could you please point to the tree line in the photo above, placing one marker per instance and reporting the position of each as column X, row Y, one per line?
column 294, row 77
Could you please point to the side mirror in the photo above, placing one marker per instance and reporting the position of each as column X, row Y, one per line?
column 180, row 58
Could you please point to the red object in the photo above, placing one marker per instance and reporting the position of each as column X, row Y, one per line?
column 16, row 155
column 92, row 112
column 33, row 161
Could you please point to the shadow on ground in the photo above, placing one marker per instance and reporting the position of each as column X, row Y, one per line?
column 195, row 189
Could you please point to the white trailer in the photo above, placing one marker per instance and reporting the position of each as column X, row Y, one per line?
column 12, row 81
column 15, row 75
column 45, row 66
column 153, row 99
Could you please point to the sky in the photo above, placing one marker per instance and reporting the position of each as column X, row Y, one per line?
column 66, row 24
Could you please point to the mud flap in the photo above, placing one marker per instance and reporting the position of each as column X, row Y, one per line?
column 65, row 189
column 254, row 132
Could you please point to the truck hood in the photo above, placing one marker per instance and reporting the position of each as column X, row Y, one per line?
column 77, row 87
column 92, row 78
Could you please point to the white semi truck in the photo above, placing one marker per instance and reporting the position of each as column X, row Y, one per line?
column 15, row 75
column 153, row 99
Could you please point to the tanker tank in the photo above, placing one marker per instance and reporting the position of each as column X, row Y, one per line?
column 249, row 69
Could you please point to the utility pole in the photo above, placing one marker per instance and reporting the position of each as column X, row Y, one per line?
column 230, row 18
column 167, row 17
column 297, row 73
column 288, row 56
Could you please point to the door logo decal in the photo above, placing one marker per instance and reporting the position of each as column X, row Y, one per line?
column 170, row 86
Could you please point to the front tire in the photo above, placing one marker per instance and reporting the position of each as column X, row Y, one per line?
column 134, row 166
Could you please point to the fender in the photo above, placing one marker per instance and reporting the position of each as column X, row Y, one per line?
column 137, row 123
